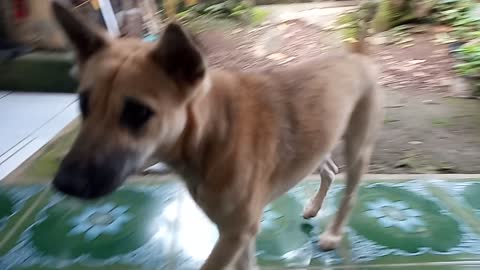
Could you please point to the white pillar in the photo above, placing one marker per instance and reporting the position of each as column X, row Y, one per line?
column 109, row 17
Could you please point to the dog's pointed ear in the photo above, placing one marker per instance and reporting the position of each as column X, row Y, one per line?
column 178, row 55
column 83, row 37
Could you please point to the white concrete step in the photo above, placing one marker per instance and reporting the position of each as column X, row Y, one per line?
column 28, row 121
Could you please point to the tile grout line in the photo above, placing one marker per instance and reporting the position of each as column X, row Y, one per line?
column 20, row 222
column 48, row 121
column 34, row 134
column 370, row 177
column 401, row 177
column 5, row 95
column 23, row 145
column 53, row 117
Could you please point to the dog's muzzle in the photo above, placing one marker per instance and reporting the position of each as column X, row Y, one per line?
column 90, row 179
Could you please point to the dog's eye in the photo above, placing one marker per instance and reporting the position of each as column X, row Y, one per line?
column 83, row 100
column 135, row 114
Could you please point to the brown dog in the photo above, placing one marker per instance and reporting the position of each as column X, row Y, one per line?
column 239, row 139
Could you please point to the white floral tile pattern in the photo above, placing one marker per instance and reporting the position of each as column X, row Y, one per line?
column 103, row 219
column 395, row 214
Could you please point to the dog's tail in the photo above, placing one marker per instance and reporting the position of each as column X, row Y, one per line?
column 359, row 44
column 364, row 15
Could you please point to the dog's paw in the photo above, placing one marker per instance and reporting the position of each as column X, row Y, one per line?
column 311, row 210
column 329, row 241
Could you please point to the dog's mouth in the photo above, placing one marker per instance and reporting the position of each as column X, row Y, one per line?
column 83, row 189
column 86, row 186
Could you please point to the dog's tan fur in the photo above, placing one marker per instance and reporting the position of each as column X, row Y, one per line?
column 239, row 139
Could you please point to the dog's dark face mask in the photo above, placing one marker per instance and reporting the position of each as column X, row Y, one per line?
column 113, row 143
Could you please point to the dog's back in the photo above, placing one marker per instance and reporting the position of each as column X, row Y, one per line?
column 293, row 116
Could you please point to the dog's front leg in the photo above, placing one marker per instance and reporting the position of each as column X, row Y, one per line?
column 229, row 248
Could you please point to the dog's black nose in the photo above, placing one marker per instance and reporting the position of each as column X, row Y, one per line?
column 70, row 181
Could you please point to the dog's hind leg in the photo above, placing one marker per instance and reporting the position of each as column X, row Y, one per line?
column 359, row 139
column 230, row 247
column 327, row 174
column 247, row 260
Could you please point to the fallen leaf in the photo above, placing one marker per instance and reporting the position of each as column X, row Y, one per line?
column 404, row 68
column 419, row 74
column 276, row 56
column 394, row 106
column 259, row 51
column 407, row 45
column 282, row 26
column 387, row 121
column 447, row 169
column 442, row 29
column 404, row 40
column 416, row 61
column 430, row 102
column 415, row 142
column 287, row 60
column 404, row 163
column 378, row 40
column 419, row 29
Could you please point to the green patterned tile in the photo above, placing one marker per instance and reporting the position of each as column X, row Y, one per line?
column 126, row 228
column 12, row 201
column 81, row 267
column 394, row 225
column 16, row 206
column 285, row 240
column 406, row 223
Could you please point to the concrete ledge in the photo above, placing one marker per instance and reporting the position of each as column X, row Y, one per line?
column 403, row 177
column 340, row 177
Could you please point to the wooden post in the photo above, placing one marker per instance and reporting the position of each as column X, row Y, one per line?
column 170, row 7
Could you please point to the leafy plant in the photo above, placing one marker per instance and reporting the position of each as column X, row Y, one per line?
column 469, row 54
column 229, row 9
column 458, row 14
column 258, row 15
column 348, row 24
column 461, row 15
column 450, row 11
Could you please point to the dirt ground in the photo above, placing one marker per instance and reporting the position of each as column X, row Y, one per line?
column 424, row 131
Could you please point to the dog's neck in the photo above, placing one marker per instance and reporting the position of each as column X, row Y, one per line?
column 207, row 130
